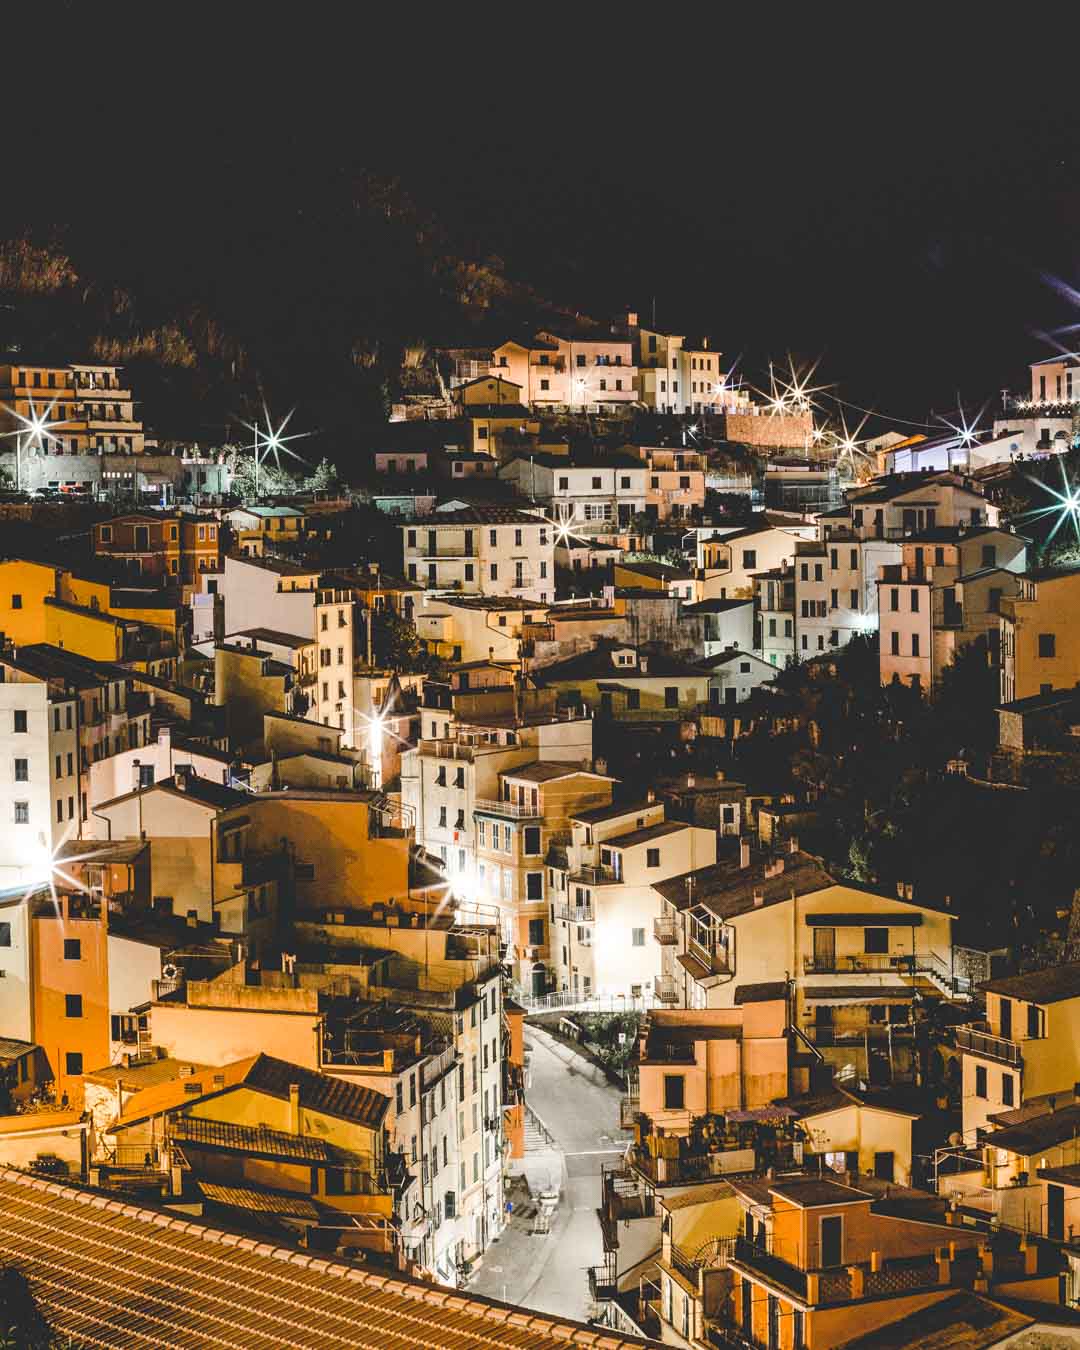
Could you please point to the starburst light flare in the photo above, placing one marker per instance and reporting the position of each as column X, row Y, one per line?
column 968, row 432
column 37, row 428
column 1065, row 505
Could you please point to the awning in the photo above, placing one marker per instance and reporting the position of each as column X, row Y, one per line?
column 893, row 919
column 858, row 993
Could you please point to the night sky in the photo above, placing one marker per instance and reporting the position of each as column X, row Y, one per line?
column 889, row 199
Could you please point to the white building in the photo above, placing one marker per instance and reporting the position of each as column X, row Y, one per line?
column 482, row 550
column 603, row 900
column 726, row 623
column 735, row 675
column 585, row 496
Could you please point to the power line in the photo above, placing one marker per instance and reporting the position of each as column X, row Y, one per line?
column 874, row 412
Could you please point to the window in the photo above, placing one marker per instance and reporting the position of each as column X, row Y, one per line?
column 20, row 715
column 652, row 857
column 22, row 771
column 73, row 1062
column 73, row 1005
column 915, row 644
column 1007, row 1089
column 980, row 1080
column 1047, row 650
column 876, row 941
column 72, row 949
column 671, row 696
column 5, row 934
column 749, row 557
column 1034, row 1022
column 637, row 937
column 22, row 813
column 536, row 932
column 914, row 600
column 16, row 602
column 854, row 600
column 894, row 643
column 674, row 1092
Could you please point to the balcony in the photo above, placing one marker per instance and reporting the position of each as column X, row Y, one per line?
column 448, row 551
column 523, row 581
column 859, row 963
column 665, row 989
column 713, row 955
column 665, row 931
column 437, row 1066
column 977, row 1038
column 575, row 913
column 490, row 806
column 824, row 1036
column 589, row 875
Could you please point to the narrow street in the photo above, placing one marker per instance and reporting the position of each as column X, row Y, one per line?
column 580, row 1108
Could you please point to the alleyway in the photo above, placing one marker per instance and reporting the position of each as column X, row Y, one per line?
column 580, row 1108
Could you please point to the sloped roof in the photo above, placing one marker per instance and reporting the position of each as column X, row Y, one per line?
column 263, row 1073
column 118, row 1274
column 1052, row 985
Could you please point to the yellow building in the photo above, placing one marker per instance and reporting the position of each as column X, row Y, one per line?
column 1040, row 642
column 257, row 528
column 1028, row 1047
column 308, row 1148
column 514, row 832
column 627, row 683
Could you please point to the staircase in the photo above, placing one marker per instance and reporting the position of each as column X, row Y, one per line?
column 538, row 1138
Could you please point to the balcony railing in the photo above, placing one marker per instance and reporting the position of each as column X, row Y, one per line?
column 665, row 990
column 438, row 1065
column 575, row 913
column 714, row 956
column 978, row 1038
column 665, row 931
column 513, row 810
column 596, row 876
column 858, row 963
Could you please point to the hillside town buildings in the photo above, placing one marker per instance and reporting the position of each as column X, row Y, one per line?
column 323, row 843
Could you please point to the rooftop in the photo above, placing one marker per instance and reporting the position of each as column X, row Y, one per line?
column 12, row 1049
column 647, row 834
column 812, row 1193
column 599, row 663
column 614, row 812
column 272, row 635
column 264, row 1073
column 728, row 889
column 1040, row 1132
column 477, row 513
column 185, row 1283
column 1052, row 985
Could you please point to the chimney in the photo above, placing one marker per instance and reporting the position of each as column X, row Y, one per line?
column 294, row 1108
column 793, row 844
column 759, row 897
column 744, row 853
column 690, row 780
column 193, row 918
column 643, row 664
column 650, row 796
column 164, row 739
column 600, row 767
column 631, row 318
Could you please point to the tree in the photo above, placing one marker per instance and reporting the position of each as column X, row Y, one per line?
column 272, row 480
column 323, row 477
column 22, row 1326
column 396, row 644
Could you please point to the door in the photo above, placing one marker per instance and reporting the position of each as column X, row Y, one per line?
column 539, row 980
column 774, row 1322
column 832, row 1240
column 824, row 949
column 731, row 696
column 747, row 1308
column 883, row 1166
column 1005, row 1005
column 1055, row 1213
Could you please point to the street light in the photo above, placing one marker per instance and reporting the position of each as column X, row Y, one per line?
column 274, row 441
column 37, row 429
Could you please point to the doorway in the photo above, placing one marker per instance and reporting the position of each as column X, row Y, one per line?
column 832, row 1240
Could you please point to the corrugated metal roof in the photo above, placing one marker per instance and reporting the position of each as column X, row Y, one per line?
column 105, row 1273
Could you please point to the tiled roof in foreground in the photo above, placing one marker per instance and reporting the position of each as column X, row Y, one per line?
column 105, row 1273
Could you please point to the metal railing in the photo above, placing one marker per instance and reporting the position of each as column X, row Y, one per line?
column 983, row 1042
column 595, row 876
column 493, row 806
column 715, row 956
column 665, row 931
column 575, row 913
column 665, row 989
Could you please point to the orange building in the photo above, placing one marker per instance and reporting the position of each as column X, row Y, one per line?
column 158, row 544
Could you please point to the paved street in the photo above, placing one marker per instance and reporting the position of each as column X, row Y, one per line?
column 581, row 1109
